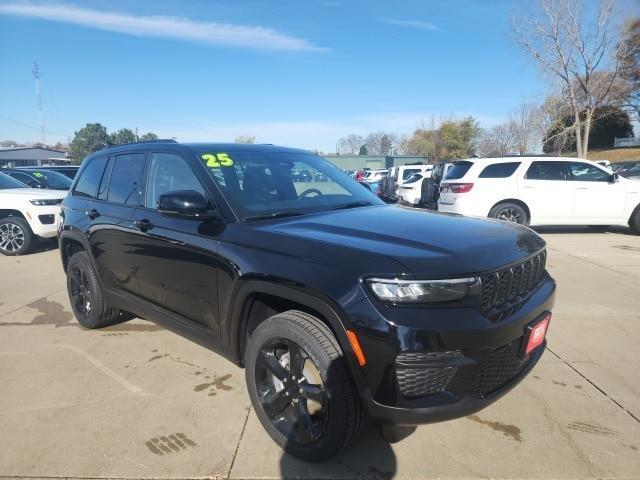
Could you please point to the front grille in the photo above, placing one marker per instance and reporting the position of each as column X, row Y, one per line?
column 504, row 291
column 414, row 382
column 46, row 219
column 502, row 366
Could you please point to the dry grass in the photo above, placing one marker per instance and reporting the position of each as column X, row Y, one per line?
column 613, row 154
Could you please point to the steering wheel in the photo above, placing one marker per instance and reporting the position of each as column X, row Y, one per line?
column 309, row 191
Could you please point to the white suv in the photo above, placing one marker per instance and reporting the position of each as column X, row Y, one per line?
column 541, row 191
column 26, row 214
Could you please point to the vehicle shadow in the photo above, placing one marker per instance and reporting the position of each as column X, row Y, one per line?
column 44, row 245
column 370, row 457
column 582, row 229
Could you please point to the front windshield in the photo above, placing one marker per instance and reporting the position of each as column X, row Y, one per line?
column 51, row 179
column 8, row 182
column 272, row 183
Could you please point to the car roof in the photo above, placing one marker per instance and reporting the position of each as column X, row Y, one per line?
column 199, row 147
column 516, row 158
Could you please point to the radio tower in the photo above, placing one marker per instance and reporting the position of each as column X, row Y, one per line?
column 36, row 77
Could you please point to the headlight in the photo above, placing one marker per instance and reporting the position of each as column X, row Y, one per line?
column 422, row 291
column 41, row 203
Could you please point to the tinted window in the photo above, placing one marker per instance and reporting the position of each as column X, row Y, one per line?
column 50, row 179
column 126, row 179
column 7, row 182
column 414, row 178
column 24, row 178
column 167, row 173
column 499, row 170
column 546, row 171
column 90, row 178
column 458, row 170
column 103, row 190
column 583, row 172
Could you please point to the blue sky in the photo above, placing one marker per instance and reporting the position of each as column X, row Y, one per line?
column 299, row 73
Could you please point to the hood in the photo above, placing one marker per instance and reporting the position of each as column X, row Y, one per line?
column 36, row 192
column 429, row 244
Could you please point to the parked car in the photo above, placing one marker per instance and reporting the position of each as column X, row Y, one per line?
column 67, row 170
column 332, row 318
column 604, row 163
column 431, row 186
column 410, row 192
column 375, row 175
column 40, row 178
column 26, row 214
column 301, row 176
column 629, row 169
column 541, row 191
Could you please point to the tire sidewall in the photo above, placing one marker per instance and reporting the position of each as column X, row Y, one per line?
column 335, row 433
column 28, row 235
column 82, row 261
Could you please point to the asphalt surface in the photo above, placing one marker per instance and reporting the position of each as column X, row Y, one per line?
column 137, row 401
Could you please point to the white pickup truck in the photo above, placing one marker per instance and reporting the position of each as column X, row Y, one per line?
column 26, row 214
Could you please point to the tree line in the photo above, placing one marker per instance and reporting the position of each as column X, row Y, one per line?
column 94, row 136
column 591, row 68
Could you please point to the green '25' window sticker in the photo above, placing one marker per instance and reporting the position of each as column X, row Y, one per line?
column 217, row 159
column 38, row 174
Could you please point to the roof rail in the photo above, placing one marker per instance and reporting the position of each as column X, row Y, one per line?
column 159, row 140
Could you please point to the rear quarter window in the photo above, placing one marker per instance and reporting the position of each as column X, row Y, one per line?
column 458, row 170
column 499, row 170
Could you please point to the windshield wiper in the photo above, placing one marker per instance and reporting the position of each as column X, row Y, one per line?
column 359, row 203
column 272, row 216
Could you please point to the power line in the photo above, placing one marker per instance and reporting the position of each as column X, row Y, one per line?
column 32, row 126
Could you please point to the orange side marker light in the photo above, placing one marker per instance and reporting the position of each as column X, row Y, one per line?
column 355, row 345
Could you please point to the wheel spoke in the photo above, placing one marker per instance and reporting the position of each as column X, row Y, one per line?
column 304, row 423
column 274, row 403
column 297, row 357
column 270, row 362
column 313, row 392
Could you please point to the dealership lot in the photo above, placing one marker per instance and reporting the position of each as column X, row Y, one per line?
column 135, row 400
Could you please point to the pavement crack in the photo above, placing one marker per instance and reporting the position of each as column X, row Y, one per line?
column 594, row 385
column 235, row 453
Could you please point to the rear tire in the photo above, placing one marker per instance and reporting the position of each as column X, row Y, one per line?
column 16, row 237
column 634, row 221
column 510, row 212
column 300, row 387
column 85, row 295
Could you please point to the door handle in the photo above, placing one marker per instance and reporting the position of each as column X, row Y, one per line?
column 143, row 224
column 93, row 213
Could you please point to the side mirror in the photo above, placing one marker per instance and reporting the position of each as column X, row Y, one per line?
column 185, row 203
column 615, row 176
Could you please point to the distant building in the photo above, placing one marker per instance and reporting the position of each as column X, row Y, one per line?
column 357, row 162
column 31, row 157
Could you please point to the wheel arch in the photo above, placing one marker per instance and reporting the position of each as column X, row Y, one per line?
column 257, row 300
column 69, row 245
column 517, row 202
column 10, row 212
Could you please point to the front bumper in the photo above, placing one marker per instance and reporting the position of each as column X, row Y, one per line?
column 429, row 365
column 44, row 220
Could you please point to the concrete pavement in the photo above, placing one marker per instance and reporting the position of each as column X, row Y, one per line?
column 137, row 401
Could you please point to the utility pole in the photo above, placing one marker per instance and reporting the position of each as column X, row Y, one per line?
column 36, row 77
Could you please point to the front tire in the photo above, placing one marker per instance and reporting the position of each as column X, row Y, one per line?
column 300, row 387
column 510, row 212
column 85, row 295
column 16, row 237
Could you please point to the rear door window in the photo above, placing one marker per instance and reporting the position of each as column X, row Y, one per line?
column 499, row 170
column 90, row 178
column 408, row 172
column 458, row 170
column 126, row 179
column 545, row 170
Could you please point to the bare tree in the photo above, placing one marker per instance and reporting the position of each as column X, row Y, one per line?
column 580, row 56
column 350, row 144
column 245, row 139
column 522, row 127
column 630, row 44
column 380, row 143
column 498, row 140
column 547, row 116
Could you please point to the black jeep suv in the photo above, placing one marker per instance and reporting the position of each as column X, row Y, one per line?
column 338, row 306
